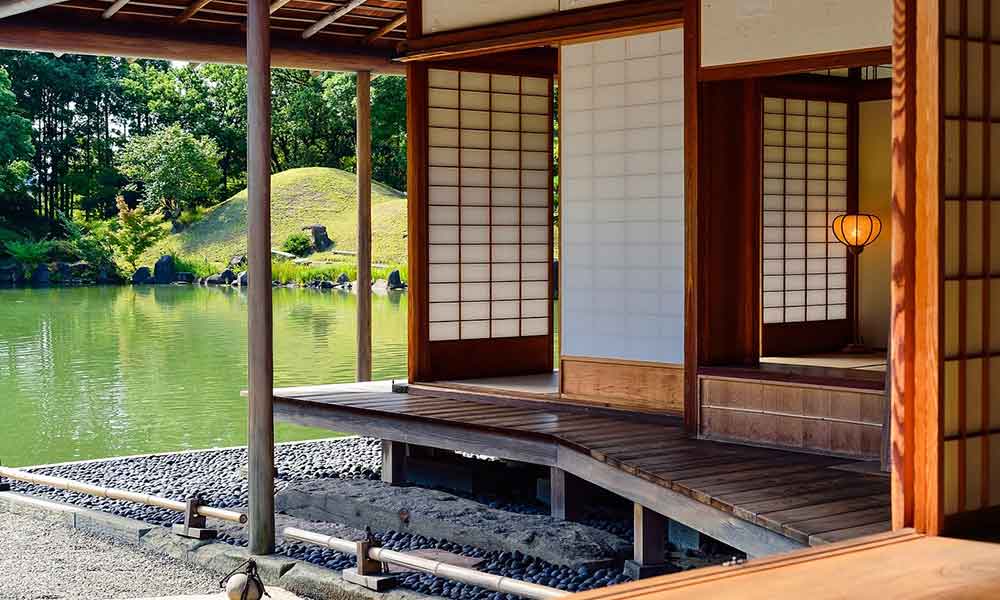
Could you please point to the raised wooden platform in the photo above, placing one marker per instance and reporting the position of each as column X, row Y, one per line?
column 758, row 500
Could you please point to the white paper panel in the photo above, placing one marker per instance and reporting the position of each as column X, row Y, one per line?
column 622, row 198
column 490, row 162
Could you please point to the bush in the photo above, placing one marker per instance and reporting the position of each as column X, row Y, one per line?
column 192, row 215
column 298, row 244
column 29, row 253
column 134, row 232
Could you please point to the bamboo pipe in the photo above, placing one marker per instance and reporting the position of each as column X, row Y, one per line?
column 116, row 494
column 496, row 583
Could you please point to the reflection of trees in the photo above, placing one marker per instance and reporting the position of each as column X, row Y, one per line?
column 103, row 371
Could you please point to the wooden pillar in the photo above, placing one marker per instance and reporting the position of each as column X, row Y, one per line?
column 393, row 462
column 261, row 359
column 565, row 491
column 649, row 546
column 364, row 167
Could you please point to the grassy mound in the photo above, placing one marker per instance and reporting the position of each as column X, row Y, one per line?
column 299, row 197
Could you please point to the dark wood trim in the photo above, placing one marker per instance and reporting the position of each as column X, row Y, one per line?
column 535, row 62
column 194, row 43
column 692, row 63
column 795, row 374
column 619, row 18
column 806, row 337
column 419, row 365
column 797, row 64
column 414, row 19
column 983, row 523
column 487, row 357
column 877, row 89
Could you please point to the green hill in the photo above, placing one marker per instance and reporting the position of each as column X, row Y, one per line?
column 299, row 197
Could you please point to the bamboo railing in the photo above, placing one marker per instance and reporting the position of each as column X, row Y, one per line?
column 116, row 494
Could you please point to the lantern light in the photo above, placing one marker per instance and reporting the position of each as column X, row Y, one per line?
column 856, row 231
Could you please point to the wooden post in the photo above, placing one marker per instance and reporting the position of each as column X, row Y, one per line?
column 649, row 546
column 393, row 461
column 364, row 167
column 261, row 367
column 564, row 494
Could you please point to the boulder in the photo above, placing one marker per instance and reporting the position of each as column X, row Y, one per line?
column 142, row 275
column 327, row 285
column 396, row 281
column 40, row 276
column 243, row 279
column 107, row 275
column 185, row 277
column 62, row 272
column 165, row 271
column 237, row 261
column 282, row 255
column 320, row 240
column 10, row 275
column 302, row 261
column 344, row 279
column 228, row 276
column 214, row 280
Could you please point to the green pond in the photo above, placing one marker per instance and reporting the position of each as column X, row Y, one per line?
column 110, row 371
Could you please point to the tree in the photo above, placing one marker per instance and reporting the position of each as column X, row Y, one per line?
column 15, row 151
column 176, row 170
column 134, row 232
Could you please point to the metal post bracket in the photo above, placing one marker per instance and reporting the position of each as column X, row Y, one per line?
column 194, row 525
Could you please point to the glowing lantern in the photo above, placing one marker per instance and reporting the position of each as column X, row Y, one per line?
column 856, row 231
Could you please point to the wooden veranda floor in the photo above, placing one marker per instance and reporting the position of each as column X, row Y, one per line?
column 758, row 500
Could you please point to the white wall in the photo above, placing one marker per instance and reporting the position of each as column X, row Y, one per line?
column 875, row 197
column 736, row 31
column 444, row 15
column 622, row 198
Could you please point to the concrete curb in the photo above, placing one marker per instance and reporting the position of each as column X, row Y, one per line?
column 295, row 576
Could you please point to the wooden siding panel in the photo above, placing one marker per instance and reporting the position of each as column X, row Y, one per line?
column 653, row 387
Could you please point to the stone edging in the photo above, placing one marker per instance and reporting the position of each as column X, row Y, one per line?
column 294, row 576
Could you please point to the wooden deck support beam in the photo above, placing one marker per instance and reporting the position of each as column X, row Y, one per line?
column 10, row 8
column 330, row 18
column 364, row 168
column 261, row 356
column 649, row 545
column 565, row 490
column 393, row 462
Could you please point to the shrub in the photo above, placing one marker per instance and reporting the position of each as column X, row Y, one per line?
column 192, row 215
column 298, row 244
column 134, row 232
column 90, row 242
column 29, row 253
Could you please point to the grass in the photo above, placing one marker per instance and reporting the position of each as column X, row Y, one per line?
column 199, row 266
column 289, row 272
column 299, row 197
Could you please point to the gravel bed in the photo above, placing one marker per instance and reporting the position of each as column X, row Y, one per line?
column 42, row 559
column 219, row 478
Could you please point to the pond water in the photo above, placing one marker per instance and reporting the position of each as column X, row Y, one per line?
column 109, row 371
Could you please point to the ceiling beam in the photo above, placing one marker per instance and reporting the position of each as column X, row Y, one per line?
column 330, row 18
column 390, row 26
column 191, row 11
column 9, row 8
column 114, row 8
column 277, row 4
column 107, row 38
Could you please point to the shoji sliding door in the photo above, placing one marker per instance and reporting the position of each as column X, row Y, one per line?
column 489, row 223
column 806, row 281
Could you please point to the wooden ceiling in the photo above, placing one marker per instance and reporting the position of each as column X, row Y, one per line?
column 352, row 34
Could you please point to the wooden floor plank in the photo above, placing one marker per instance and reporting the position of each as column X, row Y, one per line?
column 840, row 535
column 831, row 493
column 801, row 485
column 776, row 520
column 841, row 521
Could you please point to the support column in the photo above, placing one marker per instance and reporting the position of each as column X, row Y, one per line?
column 393, row 462
column 565, row 492
column 649, row 550
column 364, row 167
column 261, row 358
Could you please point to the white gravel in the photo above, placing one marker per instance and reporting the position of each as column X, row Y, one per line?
column 45, row 560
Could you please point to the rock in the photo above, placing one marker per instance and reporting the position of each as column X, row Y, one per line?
column 344, row 280
column 327, row 285
column 237, row 261
column 302, row 261
column 142, row 275
column 40, row 276
column 228, row 276
column 215, row 280
column 107, row 275
column 396, row 281
column 62, row 272
column 282, row 255
column 165, row 271
column 243, row 279
column 10, row 275
column 185, row 277
column 380, row 284
column 80, row 268
column 320, row 240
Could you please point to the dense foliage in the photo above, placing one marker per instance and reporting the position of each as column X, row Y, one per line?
column 298, row 244
column 78, row 131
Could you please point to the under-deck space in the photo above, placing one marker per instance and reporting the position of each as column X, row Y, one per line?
column 760, row 501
